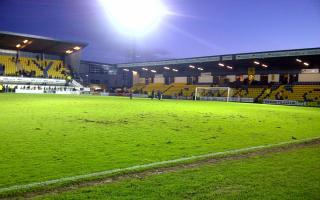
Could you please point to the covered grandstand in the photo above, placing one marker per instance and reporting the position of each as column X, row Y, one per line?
column 28, row 62
column 274, row 75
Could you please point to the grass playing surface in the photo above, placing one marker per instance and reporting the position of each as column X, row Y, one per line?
column 45, row 137
column 283, row 175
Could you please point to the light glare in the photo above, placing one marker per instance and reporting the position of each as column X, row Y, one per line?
column 134, row 16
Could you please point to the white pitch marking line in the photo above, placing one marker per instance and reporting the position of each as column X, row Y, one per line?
column 112, row 171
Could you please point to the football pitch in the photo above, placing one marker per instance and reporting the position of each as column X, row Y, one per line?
column 47, row 137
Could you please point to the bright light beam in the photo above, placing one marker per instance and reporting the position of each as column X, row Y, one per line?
column 135, row 17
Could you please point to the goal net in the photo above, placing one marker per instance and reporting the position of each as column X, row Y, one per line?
column 213, row 93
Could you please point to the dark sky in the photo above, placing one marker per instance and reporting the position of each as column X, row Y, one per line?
column 200, row 28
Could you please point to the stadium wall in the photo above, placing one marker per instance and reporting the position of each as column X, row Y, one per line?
column 309, row 77
column 158, row 78
column 180, row 79
column 205, row 78
column 104, row 74
column 273, row 78
column 232, row 78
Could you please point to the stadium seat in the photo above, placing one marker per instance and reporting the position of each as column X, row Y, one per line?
column 33, row 68
column 10, row 66
column 298, row 92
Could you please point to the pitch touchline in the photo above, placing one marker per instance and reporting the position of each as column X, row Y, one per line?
column 107, row 172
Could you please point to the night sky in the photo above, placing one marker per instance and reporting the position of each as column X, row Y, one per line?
column 199, row 27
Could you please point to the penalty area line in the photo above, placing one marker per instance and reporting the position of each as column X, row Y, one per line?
column 145, row 166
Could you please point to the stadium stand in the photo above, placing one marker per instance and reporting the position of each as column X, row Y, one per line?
column 273, row 77
column 138, row 88
column 180, row 89
column 56, row 69
column 35, row 64
column 297, row 92
column 29, row 67
column 251, row 92
column 9, row 65
column 156, row 87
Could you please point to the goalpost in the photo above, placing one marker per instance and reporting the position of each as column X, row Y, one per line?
column 213, row 93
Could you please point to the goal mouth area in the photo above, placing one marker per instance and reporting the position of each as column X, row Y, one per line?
column 225, row 94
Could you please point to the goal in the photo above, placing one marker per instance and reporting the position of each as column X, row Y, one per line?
column 213, row 93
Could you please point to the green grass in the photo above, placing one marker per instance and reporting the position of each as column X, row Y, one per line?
column 47, row 137
column 284, row 175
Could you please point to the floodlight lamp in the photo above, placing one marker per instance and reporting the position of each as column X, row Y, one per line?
column 69, row 51
column 229, row 67
column 256, row 62
column 134, row 16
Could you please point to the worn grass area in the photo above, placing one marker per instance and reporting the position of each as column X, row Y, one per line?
column 46, row 137
column 283, row 175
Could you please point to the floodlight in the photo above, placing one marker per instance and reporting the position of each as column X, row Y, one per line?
column 199, row 68
column 126, row 70
column 229, row 67
column 306, row 64
column 192, row 67
column 256, row 62
column 134, row 16
column 175, row 70
column 298, row 60
column 264, row 65
column 77, row 48
column 18, row 45
column 221, row 64
column 144, row 69
column 167, row 68
column 69, row 51
column 25, row 41
column 153, row 71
